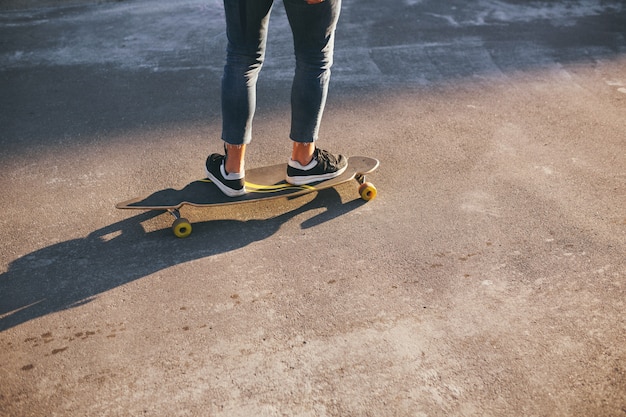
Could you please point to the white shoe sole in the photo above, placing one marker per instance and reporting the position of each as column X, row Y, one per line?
column 304, row 180
column 223, row 188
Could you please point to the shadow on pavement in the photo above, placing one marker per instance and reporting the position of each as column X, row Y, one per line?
column 73, row 273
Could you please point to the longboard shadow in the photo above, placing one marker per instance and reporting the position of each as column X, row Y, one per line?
column 73, row 273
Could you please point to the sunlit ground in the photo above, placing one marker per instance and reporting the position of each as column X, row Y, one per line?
column 486, row 278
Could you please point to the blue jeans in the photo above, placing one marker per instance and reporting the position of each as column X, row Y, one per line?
column 313, row 29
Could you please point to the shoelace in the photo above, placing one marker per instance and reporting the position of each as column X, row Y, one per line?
column 325, row 158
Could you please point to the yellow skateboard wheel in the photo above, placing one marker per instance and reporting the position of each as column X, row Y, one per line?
column 181, row 228
column 367, row 191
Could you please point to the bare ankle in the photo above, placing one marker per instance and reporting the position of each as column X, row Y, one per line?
column 303, row 152
column 235, row 158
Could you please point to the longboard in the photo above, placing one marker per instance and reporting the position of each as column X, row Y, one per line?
column 261, row 184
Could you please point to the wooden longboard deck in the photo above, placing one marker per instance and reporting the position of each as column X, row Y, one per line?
column 261, row 183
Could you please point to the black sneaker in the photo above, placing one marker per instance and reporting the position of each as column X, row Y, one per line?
column 324, row 166
column 230, row 184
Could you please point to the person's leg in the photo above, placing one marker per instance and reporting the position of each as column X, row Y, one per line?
column 313, row 26
column 246, row 28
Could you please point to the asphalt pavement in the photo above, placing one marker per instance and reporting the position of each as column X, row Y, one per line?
column 488, row 278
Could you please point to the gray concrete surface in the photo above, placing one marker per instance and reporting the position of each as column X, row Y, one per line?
column 487, row 279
